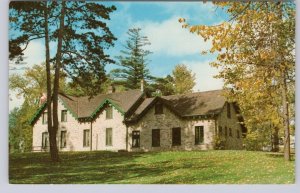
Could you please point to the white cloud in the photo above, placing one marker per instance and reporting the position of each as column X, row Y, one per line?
column 168, row 37
column 204, row 75
column 35, row 53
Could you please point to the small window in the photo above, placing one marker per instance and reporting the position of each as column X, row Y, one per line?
column 45, row 140
column 226, row 133
column 155, row 137
column 63, row 139
column 199, row 135
column 230, row 132
column 220, row 131
column 159, row 108
column 64, row 116
column 108, row 140
column 86, row 138
column 228, row 111
column 176, row 136
column 45, row 118
column 109, row 112
column 135, row 138
column 238, row 134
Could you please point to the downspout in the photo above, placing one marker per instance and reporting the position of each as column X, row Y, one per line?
column 91, row 137
column 126, row 138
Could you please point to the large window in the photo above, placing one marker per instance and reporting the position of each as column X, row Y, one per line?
column 176, row 136
column 230, row 132
column 199, row 135
column 220, row 131
column 159, row 108
column 155, row 137
column 45, row 118
column 86, row 138
column 135, row 138
column 63, row 139
column 228, row 111
column 225, row 131
column 64, row 116
column 45, row 140
column 108, row 140
column 109, row 112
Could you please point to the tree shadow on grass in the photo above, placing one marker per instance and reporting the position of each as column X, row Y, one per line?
column 96, row 168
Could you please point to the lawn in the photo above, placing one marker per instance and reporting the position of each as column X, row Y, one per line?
column 194, row 167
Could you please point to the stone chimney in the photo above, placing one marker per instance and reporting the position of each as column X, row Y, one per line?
column 43, row 99
column 142, row 85
column 111, row 89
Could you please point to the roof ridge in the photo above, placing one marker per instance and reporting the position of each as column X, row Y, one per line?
column 194, row 92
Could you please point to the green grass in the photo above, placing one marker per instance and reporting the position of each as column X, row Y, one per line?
column 196, row 167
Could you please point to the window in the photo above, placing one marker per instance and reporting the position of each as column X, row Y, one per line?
column 228, row 111
column 64, row 116
column 230, row 132
column 155, row 137
column 220, row 131
column 108, row 137
column 45, row 140
column 135, row 138
column 63, row 139
column 159, row 108
column 238, row 134
column 45, row 118
column 199, row 135
column 225, row 131
column 109, row 112
column 176, row 136
column 86, row 138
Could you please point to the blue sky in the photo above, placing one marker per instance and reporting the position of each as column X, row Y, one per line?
column 170, row 43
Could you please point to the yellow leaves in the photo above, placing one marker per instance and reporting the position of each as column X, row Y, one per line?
column 181, row 20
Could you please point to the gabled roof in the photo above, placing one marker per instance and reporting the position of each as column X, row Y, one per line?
column 186, row 105
column 198, row 103
column 83, row 107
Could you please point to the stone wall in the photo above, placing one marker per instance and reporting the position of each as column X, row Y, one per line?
column 165, row 122
column 74, row 132
column 231, row 142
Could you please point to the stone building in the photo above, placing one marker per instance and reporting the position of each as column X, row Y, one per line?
column 132, row 122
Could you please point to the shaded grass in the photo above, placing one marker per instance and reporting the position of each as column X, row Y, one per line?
column 195, row 167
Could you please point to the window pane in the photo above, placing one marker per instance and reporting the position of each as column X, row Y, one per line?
column 199, row 135
column 159, row 108
column 86, row 138
column 109, row 112
column 135, row 138
column 45, row 119
column 64, row 116
column 45, row 140
column 220, row 131
column 109, row 136
column 155, row 137
column 176, row 136
column 63, row 140
column 228, row 111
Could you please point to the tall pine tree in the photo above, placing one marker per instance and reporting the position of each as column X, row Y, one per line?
column 133, row 61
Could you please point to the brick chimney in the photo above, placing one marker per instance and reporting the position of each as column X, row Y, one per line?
column 111, row 89
column 43, row 99
column 142, row 85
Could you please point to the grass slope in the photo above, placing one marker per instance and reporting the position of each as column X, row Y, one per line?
column 196, row 167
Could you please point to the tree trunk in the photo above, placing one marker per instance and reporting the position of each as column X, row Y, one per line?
column 53, row 146
column 285, row 106
column 54, row 152
column 275, row 139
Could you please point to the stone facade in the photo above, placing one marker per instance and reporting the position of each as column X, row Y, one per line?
column 122, row 133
